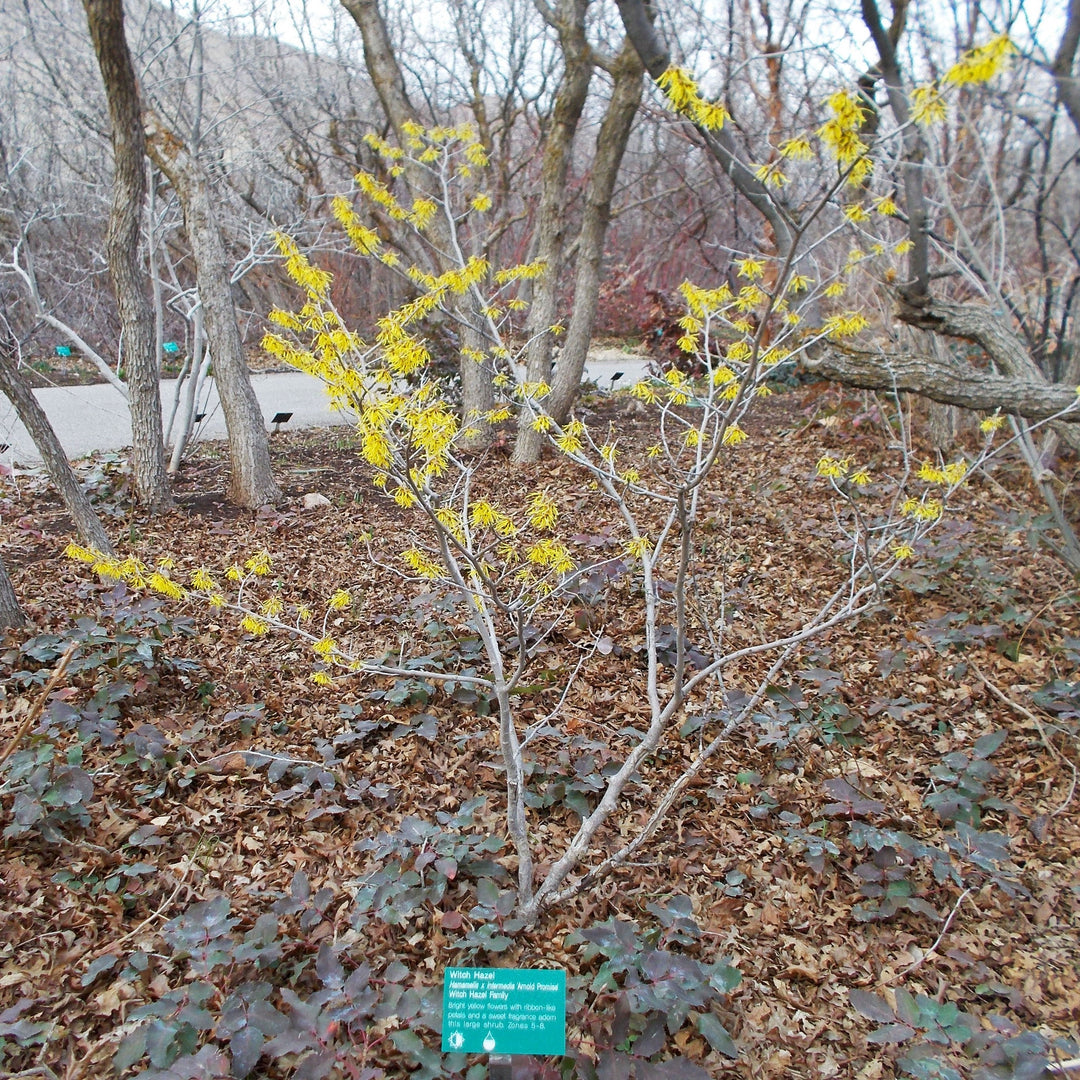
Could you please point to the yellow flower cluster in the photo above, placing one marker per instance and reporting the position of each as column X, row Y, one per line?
column 315, row 282
column 950, row 475
column 365, row 240
column 483, row 515
column 550, row 554
column 846, row 324
column 841, row 134
column 923, row 509
column 543, row 511
column 523, row 272
column 980, row 65
column 927, row 105
column 681, row 91
column 840, row 469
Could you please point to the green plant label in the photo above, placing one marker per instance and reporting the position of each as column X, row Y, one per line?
column 63, row 350
column 170, row 347
column 504, row 1011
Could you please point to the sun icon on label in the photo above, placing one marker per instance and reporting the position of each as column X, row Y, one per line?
column 457, row 1040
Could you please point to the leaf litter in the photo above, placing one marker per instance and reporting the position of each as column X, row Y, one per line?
column 818, row 856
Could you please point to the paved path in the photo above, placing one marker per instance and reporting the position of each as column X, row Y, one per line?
column 89, row 418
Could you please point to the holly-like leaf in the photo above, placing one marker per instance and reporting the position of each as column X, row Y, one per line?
column 717, row 1035
column 872, row 1006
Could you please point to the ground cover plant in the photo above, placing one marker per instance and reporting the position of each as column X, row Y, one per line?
column 265, row 876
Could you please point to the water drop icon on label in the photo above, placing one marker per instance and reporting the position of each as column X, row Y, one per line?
column 489, row 1042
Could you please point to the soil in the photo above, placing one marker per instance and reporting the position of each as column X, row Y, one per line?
column 978, row 626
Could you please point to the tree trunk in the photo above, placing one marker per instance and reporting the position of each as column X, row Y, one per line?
column 105, row 19
column 1068, row 85
column 610, row 147
column 573, row 92
column 17, row 389
column 11, row 615
column 948, row 382
column 251, row 483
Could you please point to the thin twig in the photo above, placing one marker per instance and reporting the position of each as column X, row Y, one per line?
column 1021, row 709
column 106, row 949
column 1063, row 1066
column 944, row 930
column 1028, row 714
column 39, row 705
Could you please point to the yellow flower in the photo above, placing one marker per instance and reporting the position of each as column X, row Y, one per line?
column 901, row 550
column 654, row 451
column 569, row 442
column 679, row 87
column 542, row 510
column 320, row 678
column 751, row 269
column 923, row 510
column 954, row 472
column 422, row 565
column 253, row 625
column 734, row 435
column 833, row 468
column 81, row 554
column 927, row 106
column 259, row 563
column 481, row 203
column 476, row 154
column 160, row 583
column 324, row 648
column 201, row 579
column 930, row 473
column 982, row 64
column 272, row 606
column 639, row 547
column 644, row 391
column 992, row 423
column 552, row 554
column 845, row 325
column 798, row 149
column 340, row 600
column 861, row 477
column 770, row 175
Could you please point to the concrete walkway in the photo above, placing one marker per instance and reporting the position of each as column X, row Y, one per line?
column 89, row 418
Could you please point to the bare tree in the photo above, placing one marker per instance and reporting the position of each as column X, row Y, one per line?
column 252, row 482
column 477, row 389
column 627, row 73
column 11, row 615
column 105, row 19
column 15, row 387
